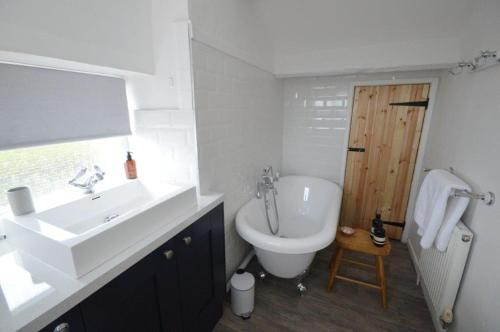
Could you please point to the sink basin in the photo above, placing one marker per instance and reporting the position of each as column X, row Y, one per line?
column 80, row 235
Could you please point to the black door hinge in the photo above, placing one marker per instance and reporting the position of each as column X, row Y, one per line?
column 394, row 223
column 356, row 149
column 419, row 103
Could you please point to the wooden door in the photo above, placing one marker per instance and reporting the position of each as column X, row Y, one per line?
column 383, row 145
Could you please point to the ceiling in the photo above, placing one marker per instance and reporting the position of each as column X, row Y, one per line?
column 297, row 26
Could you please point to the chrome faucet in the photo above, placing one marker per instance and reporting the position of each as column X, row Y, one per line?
column 88, row 185
column 267, row 190
column 268, row 178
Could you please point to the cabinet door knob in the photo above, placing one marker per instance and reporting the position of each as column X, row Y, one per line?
column 169, row 254
column 187, row 240
column 63, row 327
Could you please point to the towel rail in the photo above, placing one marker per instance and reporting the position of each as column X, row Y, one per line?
column 488, row 197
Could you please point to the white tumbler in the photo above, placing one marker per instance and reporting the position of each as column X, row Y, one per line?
column 242, row 293
column 20, row 200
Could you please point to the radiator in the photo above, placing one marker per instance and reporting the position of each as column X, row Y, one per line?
column 440, row 273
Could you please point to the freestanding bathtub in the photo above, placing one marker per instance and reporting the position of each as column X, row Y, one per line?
column 308, row 210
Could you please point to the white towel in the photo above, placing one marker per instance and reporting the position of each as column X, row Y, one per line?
column 436, row 213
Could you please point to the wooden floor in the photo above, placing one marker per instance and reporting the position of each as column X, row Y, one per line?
column 348, row 308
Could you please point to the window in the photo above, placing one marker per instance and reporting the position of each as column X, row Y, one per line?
column 47, row 169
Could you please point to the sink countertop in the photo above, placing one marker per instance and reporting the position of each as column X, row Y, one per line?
column 33, row 294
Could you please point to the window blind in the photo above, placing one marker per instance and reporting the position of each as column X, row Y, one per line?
column 41, row 106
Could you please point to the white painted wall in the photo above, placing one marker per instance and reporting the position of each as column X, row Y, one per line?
column 315, row 117
column 115, row 33
column 480, row 30
column 342, row 36
column 239, row 131
column 464, row 135
column 380, row 57
column 234, row 27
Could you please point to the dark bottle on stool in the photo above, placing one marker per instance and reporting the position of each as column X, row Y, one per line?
column 377, row 232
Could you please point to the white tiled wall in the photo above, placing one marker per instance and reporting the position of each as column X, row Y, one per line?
column 164, row 140
column 165, row 147
column 315, row 125
column 239, row 130
column 316, row 112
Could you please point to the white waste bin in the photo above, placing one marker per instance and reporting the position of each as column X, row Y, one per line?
column 242, row 293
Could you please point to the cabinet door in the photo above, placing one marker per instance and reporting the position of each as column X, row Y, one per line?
column 168, row 288
column 128, row 302
column 69, row 322
column 201, row 265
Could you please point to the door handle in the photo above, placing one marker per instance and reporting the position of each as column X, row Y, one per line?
column 187, row 240
column 63, row 327
column 169, row 254
column 356, row 149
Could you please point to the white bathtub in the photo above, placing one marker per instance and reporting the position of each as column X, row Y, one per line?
column 308, row 209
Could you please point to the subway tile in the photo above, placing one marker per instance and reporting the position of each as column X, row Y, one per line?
column 204, row 80
column 172, row 137
column 315, row 126
column 239, row 129
column 224, row 84
column 152, row 118
column 201, row 100
column 182, row 118
column 214, row 63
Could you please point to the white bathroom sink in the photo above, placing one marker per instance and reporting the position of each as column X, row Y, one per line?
column 80, row 235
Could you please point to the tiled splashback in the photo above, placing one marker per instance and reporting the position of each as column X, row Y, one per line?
column 165, row 147
column 239, row 131
column 164, row 142
column 315, row 126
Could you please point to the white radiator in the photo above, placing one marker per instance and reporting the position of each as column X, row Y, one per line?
column 440, row 274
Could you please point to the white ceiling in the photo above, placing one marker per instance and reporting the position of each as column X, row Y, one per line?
column 298, row 26
column 325, row 37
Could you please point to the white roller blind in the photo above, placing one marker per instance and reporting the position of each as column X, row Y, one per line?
column 41, row 106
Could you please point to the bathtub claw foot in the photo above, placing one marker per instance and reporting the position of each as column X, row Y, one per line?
column 262, row 275
column 301, row 288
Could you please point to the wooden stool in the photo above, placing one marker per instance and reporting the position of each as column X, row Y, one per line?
column 361, row 242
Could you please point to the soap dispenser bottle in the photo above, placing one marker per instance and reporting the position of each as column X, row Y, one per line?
column 377, row 232
column 130, row 168
column 376, row 224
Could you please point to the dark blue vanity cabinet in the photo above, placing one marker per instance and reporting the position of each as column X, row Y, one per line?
column 178, row 287
column 201, row 272
column 71, row 321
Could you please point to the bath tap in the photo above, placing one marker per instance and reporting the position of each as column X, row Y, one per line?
column 90, row 182
column 269, row 176
column 264, row 187
column 268, row 171
column 267, row 181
